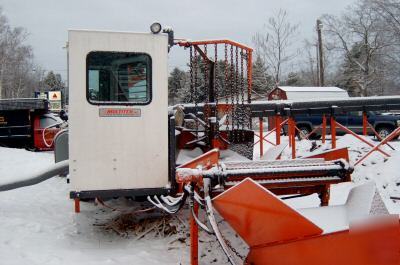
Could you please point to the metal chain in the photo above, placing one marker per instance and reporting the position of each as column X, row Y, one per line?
column 248, row 111
column 236, row 94
column 237, row 81
column 216, row 87
column 196, row 96
column 242, row 107
column 191, row 74
column 206, row 106
column 227, row 110
column 228, row 243
column 231, row 84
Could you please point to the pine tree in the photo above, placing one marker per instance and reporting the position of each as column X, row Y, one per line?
column 53, row 81
column 294, row 79
column 176, row 86
column 262, row 82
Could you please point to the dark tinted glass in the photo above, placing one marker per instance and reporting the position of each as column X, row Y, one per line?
column 118, row 77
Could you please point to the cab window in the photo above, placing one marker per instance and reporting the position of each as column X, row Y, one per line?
column 118, row 78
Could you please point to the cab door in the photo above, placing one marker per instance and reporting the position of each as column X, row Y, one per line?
column 118, row 111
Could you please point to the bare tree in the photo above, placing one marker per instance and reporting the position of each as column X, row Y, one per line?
column 275, row 43
column 389, row 10
column 360, row 37
column 16, row 61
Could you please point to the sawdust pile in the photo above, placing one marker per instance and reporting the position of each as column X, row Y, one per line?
column 139, row 225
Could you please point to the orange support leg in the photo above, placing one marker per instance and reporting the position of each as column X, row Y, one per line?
column 333, row 132
column 360, row 138
column 365, row 123
column 261, row 136
column 77, row 204
column 323, row 128
column 292, row 136
column 194, row 236
column 278, row 129
column 391, row 136
column 289, row 132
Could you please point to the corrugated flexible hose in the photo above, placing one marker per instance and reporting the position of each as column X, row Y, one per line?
column 56, row 169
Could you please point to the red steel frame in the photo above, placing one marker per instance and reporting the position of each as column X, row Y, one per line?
column 360, row 138
column 366, row 124
column 185, row 43
column 292, row 136
column 194, row 236
column 263, row 137
column 391, row 136
column 292, row 128
column 206, row 161
column 77, row 205
column 323, row 128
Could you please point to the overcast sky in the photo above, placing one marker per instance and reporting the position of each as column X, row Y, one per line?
column 48, row 20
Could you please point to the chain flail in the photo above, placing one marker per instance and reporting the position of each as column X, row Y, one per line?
column 248, row 110
column 206, row 109
column 237, row 68
column 231, row 85
column 216, row 87
column 242, row 107
column 227, row 110
column 196, row 95
column 191, row 74
column 238, row 114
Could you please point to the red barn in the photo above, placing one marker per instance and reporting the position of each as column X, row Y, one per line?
column 304, row 93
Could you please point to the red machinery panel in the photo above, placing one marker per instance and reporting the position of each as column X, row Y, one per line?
column 261, row 218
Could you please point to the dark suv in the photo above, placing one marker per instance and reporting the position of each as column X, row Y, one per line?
column 383, row 123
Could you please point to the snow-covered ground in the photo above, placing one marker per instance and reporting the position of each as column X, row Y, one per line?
column 38, row 225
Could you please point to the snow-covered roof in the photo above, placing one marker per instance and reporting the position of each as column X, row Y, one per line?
column 311, row 89
column 305, row 93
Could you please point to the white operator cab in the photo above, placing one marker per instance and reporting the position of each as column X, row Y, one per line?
column 118, row 114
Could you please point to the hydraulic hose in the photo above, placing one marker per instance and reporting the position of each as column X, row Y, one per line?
column 56, row 169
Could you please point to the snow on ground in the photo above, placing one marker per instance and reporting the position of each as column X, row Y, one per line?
column 38, row 225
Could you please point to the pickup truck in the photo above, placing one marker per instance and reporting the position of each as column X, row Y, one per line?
column 383, row 123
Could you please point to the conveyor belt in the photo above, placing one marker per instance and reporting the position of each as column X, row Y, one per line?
column 300, row 176
column 291, row 180
column 279, row 170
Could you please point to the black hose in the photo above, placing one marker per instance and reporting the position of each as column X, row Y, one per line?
column 56, row 169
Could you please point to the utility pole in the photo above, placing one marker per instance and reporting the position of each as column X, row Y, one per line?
column 320, row 54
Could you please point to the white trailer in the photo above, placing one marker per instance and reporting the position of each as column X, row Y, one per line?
column 118, row 125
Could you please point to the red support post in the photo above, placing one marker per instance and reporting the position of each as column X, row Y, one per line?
column 360, row 138
column 77, row 204
column 194, row 236
column 261, row 124
column 323, row 128
column 333, row 131
column 365, row 123
column 289, row 132
column 378, row 136
column 387, row 139
column 292, row 136
column 278, row 129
